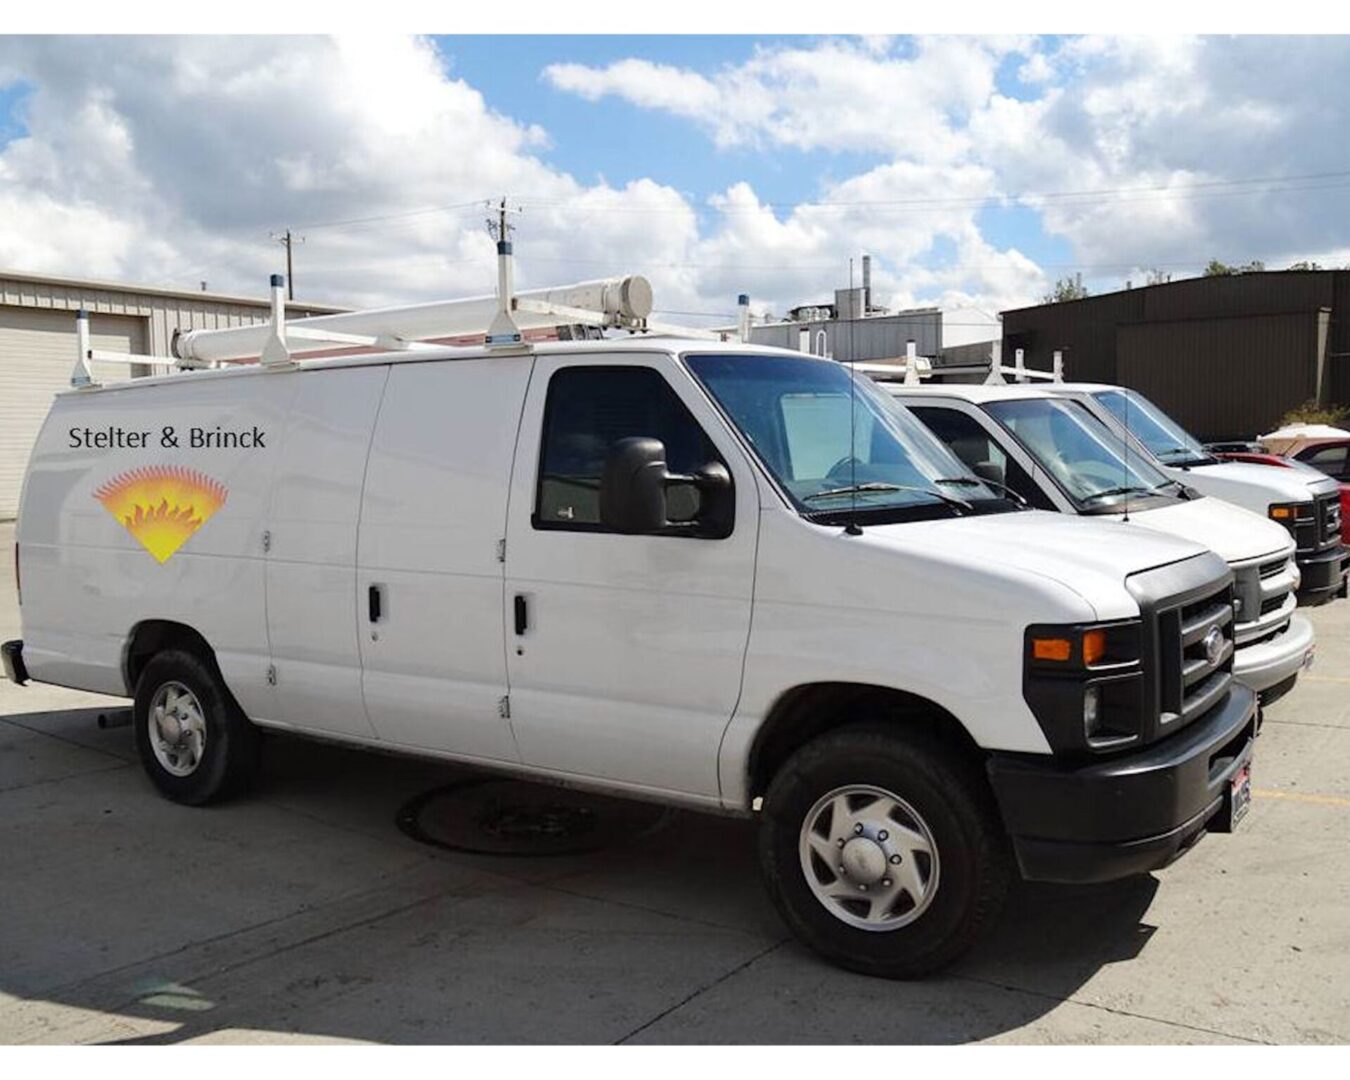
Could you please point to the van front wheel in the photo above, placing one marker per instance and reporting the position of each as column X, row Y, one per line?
column 883, row 852
column 195, row 743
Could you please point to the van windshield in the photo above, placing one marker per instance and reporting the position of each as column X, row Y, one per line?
column 836, row 444
column 1088, row 459
column 1166, row 440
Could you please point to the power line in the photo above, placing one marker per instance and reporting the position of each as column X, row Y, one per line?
column 475, row 204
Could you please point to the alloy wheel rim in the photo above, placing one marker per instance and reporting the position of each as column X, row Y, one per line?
column 177, row 729
column 869, row 857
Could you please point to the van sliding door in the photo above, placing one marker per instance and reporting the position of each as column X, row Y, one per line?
column 429, row 578
column 311, row 550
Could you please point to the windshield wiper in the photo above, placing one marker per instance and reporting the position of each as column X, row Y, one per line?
column 1172, row 452
column 970, row 481
column 1118, row 491
column 862, row 489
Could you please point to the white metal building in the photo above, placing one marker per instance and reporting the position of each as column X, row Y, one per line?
column 37, row 345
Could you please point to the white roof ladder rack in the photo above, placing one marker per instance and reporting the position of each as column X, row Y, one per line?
column 617, row 303
column 1019, row 370
column 622, row 303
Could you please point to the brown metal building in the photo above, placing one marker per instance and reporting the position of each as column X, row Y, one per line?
column 1227, row 356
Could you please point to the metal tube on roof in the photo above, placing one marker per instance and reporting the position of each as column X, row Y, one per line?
column 626, row 300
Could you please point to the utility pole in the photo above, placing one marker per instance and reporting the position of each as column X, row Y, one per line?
column 498, row 227
column 288, row 240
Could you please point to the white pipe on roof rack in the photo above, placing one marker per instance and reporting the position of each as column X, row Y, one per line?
column 624, row 302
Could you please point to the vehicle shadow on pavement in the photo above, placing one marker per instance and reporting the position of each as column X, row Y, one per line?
column 303, row 912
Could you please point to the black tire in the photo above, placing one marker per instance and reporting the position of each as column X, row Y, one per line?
column 950, row 795
column 230, row 752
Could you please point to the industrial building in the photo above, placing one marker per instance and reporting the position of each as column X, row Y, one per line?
column 38, row 348
column 854, row 330
column 1227, row 355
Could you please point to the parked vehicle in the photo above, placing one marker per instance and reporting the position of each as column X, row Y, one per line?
column 1057, row 455
column 1308, row 506
column 725, row 577
column 1327, row 454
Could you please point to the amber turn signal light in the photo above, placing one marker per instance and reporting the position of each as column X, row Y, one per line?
column 1060, row 649
column 1094, row 646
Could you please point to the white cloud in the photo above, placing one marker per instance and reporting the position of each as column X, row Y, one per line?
column 832, row 95
column 169, row 160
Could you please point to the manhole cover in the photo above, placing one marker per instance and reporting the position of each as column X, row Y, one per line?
column 512, row 817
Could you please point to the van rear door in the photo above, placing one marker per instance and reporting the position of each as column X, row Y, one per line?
column 429, row 580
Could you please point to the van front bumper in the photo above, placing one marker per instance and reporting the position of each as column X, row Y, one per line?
column 1271, row 662
column 1324, row 574
column 11, row 656
column 1101, row 820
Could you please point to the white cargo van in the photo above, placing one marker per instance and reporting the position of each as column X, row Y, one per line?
column 1054, row 452
column 718, row 576
column 1305, row 504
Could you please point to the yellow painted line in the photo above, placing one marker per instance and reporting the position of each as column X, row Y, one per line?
column 1297, row 796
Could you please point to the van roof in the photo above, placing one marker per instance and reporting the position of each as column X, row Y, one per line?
column 976, row 393
column 646, row 343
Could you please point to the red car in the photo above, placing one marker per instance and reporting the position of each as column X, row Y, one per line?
column 1326, row 450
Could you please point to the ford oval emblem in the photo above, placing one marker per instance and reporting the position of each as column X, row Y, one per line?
column 1213, row 645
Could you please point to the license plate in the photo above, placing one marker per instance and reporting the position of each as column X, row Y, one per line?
column 1239, row 796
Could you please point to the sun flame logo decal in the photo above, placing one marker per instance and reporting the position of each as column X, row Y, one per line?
column 162, row 505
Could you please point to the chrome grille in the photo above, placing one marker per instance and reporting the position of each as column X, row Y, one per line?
column 1196, row 653
column 1329, row 517
column 1270, row 569
column 1264, row 598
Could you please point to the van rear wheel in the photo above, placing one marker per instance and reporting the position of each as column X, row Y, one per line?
column 883, row 852
column 194, row 741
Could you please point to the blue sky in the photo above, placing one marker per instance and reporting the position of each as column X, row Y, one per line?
column 617, row 141
column 716, row 165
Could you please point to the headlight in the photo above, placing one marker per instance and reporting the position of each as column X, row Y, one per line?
column 1083, row 647
column 1085, row 684
column 1291, row 515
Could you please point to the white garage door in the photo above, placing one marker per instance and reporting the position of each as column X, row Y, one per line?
column 37, row 352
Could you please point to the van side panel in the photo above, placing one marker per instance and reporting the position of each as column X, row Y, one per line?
column 311, row 561
column 433, row 513
column 88, row 582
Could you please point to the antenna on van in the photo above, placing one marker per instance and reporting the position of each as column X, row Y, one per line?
column 503, row 331
column 81, row 375
column 1125, row 481
column 274, row 351
column 852, row 528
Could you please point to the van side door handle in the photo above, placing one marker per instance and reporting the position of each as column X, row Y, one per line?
column 522, row 615
column 373, row 600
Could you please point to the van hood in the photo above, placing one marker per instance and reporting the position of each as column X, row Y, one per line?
column 1234, row 534
column 1090, row 556
column 1254, row 486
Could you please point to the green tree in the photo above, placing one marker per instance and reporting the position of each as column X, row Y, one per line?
column 1312, row 413
column 1218, row 269
column 1066, row 288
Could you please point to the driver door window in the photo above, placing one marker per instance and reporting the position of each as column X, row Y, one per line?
column 588, row 410
column 971, row 442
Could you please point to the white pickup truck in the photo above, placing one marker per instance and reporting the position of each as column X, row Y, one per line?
column 1052, row 450
column 718, row 576
column 1305, row 504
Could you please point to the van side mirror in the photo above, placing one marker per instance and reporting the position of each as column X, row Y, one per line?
column 989, row 470
column 633, row 492
column 633, row 486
